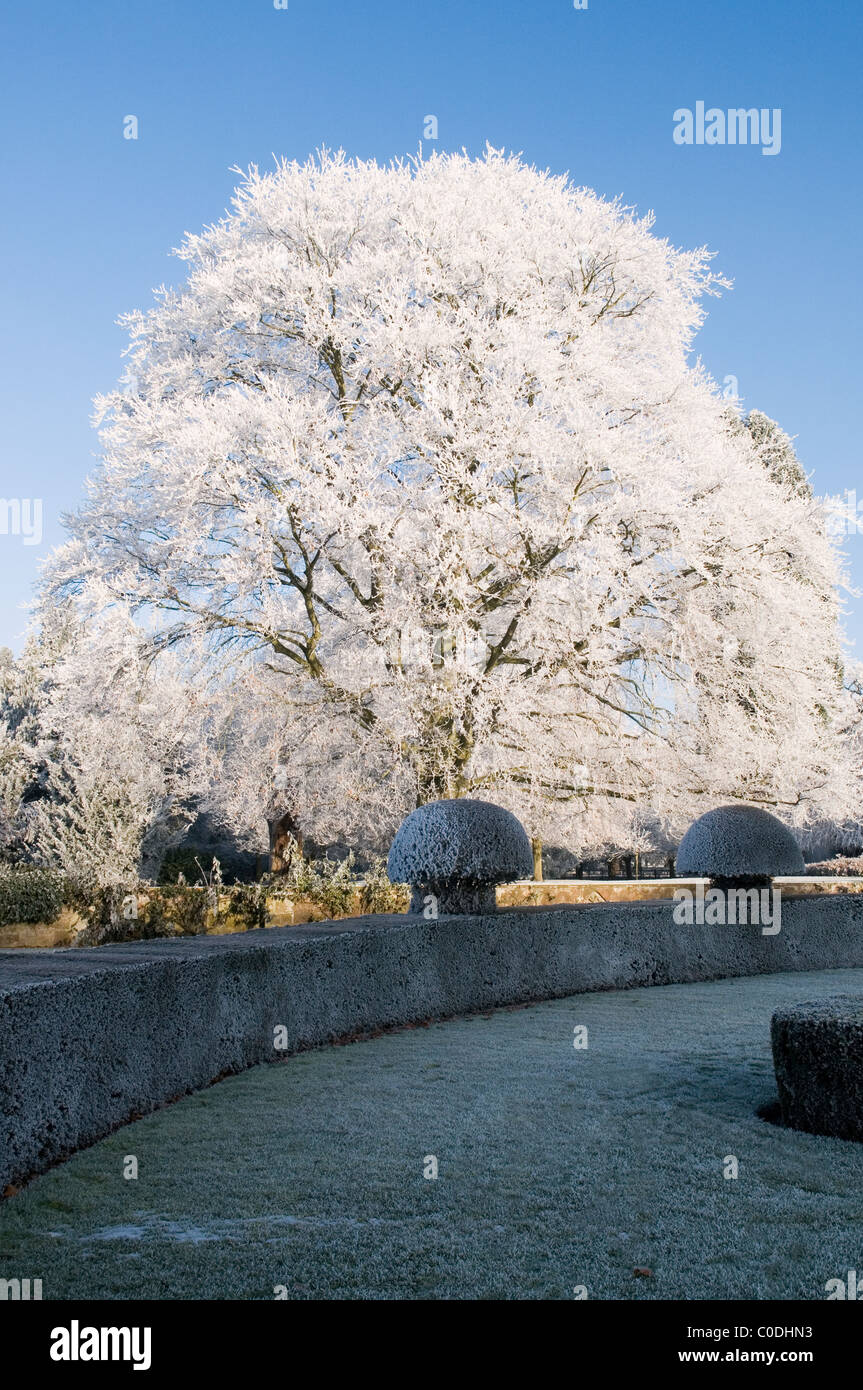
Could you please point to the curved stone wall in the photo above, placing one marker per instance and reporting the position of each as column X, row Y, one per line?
column 90, row 1039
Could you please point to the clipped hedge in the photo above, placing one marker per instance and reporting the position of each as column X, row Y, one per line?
column 31, row 895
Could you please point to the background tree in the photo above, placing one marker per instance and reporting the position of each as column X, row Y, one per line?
column 20, row 699
column 103, row 760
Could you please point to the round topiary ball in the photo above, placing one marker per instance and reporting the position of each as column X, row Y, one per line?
column 738, row 844
column 458, row 851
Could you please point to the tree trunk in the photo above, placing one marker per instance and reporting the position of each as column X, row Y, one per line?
column 286, row 841
column 536, row 846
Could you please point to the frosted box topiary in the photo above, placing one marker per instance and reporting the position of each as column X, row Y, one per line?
column 738, row 844
column 458, row 851
column 818, row 1057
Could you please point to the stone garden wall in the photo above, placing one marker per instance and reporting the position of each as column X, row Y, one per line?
column 90, row 1039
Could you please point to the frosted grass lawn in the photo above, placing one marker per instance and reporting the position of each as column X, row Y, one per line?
column 557, row 1167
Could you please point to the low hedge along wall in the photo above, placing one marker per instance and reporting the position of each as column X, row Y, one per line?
column 31, row 895
column 127, row 912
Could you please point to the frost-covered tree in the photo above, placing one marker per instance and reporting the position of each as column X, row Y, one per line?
column 102, row 758
column 423, row 451
column 125, row 756
column 20, row 698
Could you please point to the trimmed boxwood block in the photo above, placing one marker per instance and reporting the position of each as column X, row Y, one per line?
column 738, row 844
column 818, row 1057
column 458, row 851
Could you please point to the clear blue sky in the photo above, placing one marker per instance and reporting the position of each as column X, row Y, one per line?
column 90, row 216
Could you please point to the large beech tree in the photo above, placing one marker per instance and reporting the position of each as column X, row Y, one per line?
column 423, row 451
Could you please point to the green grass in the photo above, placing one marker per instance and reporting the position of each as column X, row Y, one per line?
column 557, row 1167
